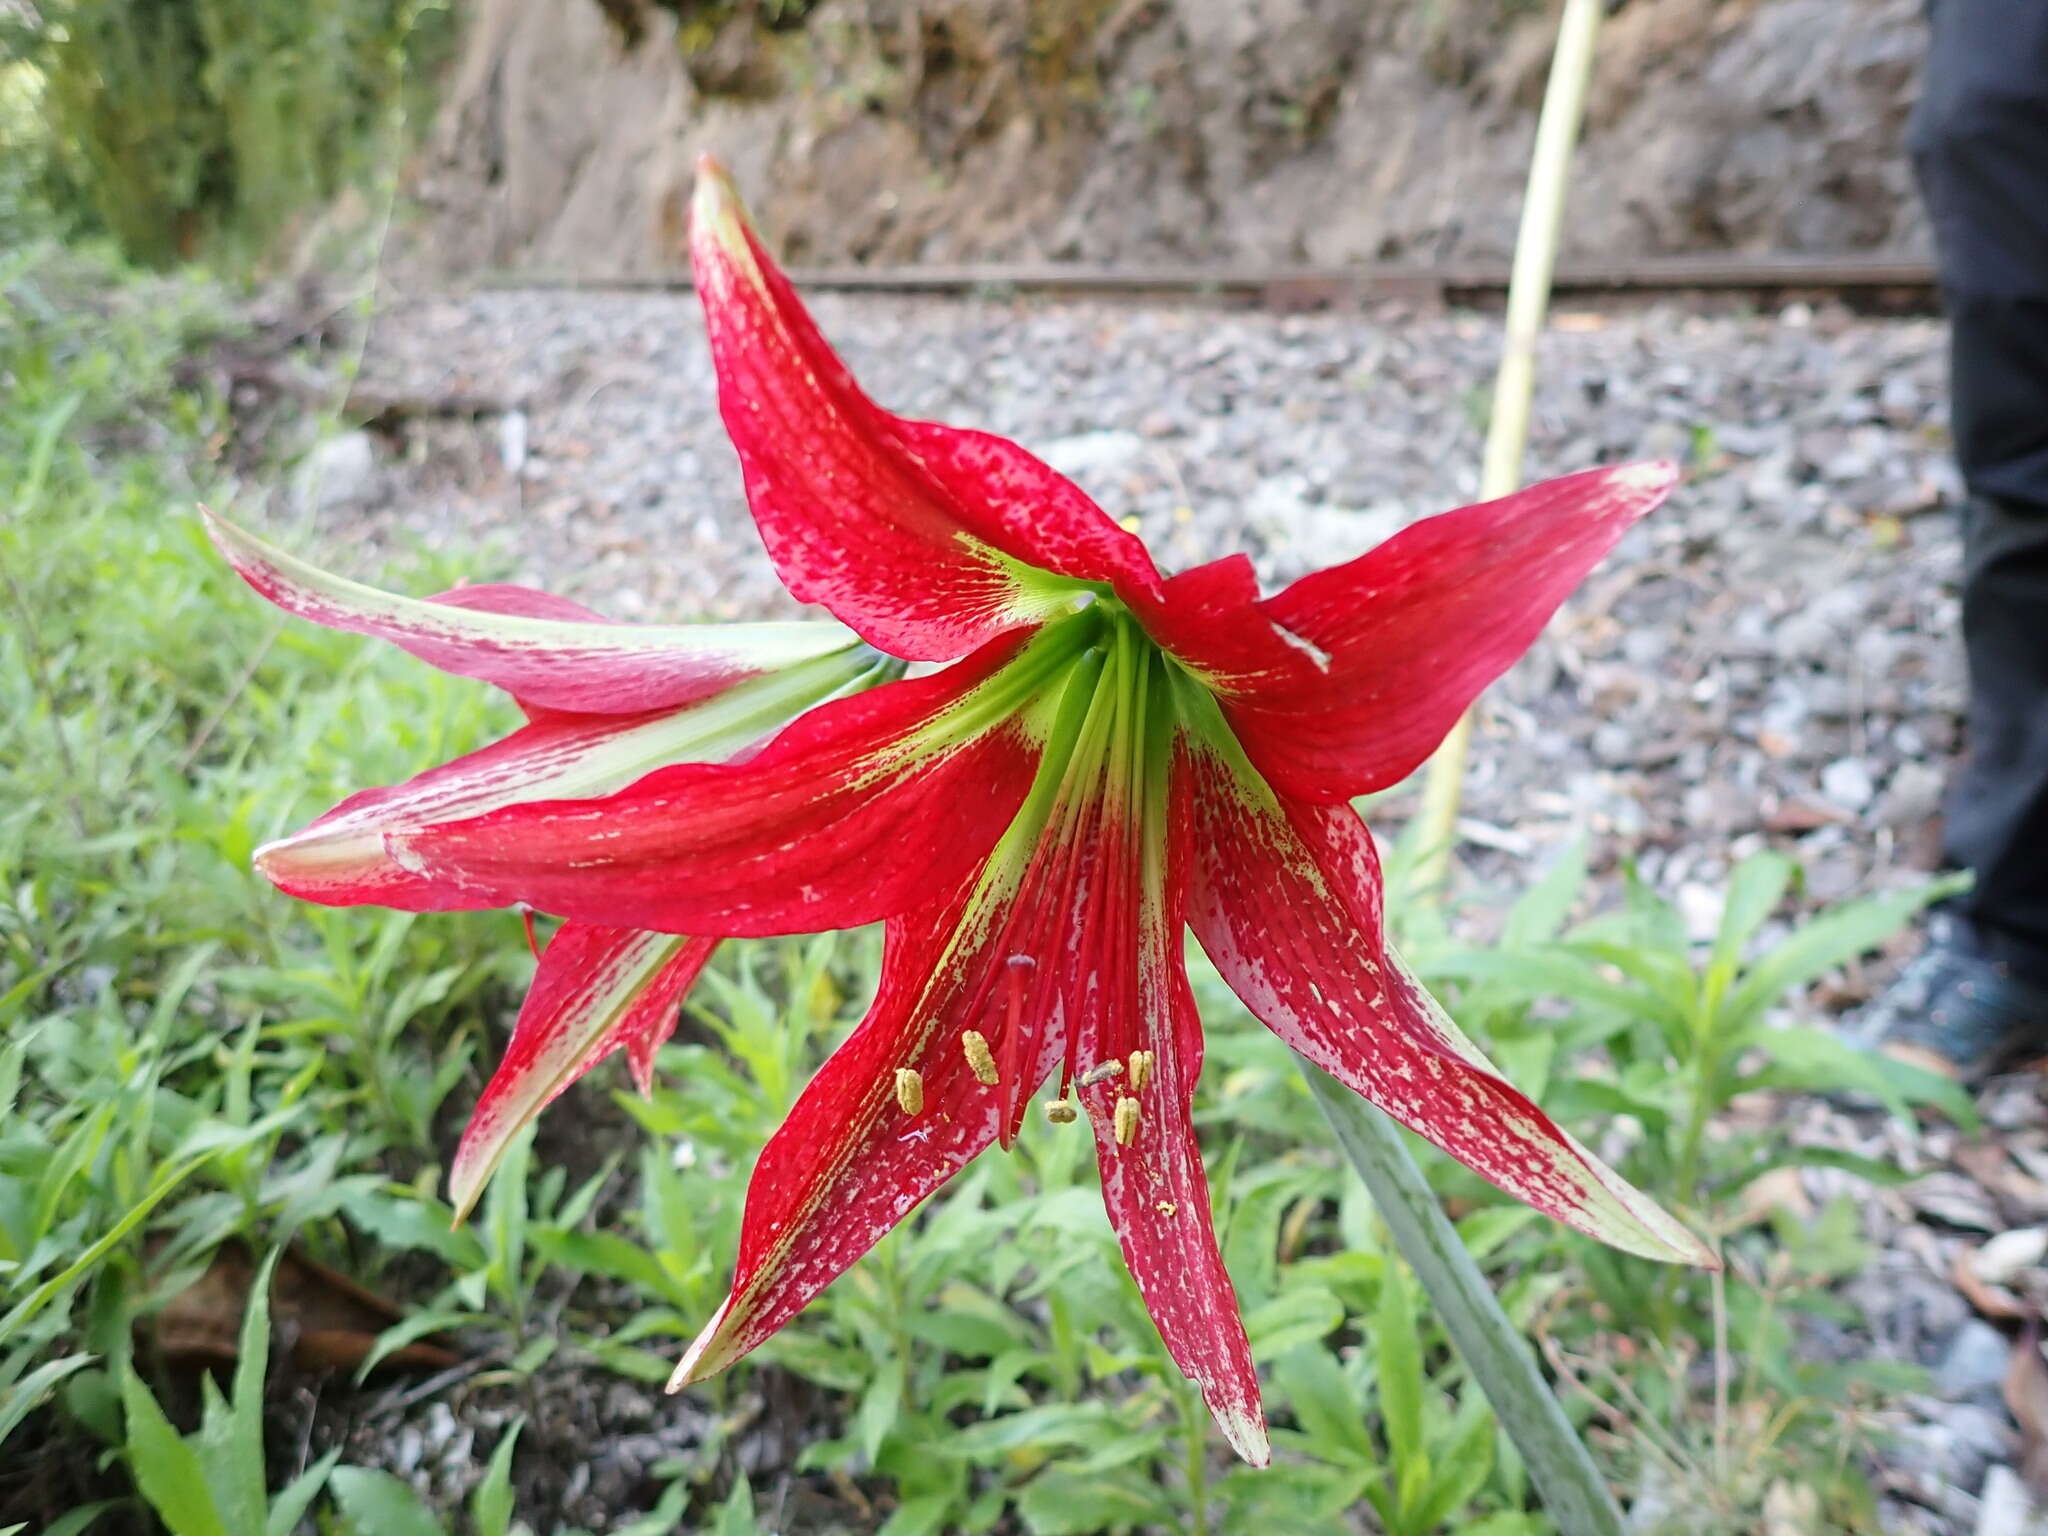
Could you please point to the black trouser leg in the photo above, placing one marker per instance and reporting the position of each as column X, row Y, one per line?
column 1997, row 819
column 1980, row 145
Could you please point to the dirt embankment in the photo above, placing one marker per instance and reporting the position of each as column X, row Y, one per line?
column 1320, row 131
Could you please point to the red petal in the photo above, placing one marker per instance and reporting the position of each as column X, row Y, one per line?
column 1155, row 1188
column 343, row 859
column 505, row 597
column 1017, row 502
column 1287, row 903
column 849, row 1164
column 926, row 539
column 1346, row 681
column 1074, row 926
column 596, row 989
column 526, row 602
column 1005, row 957
column 550, row 652
column 854, row 813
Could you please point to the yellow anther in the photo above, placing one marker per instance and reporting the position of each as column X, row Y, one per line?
column 980, row 1057
column 1167, row 1207
column 1059, row 1112
column 1101, row 1072
column 1141, row 1069
column 909, row 1090
column 1126, row 1121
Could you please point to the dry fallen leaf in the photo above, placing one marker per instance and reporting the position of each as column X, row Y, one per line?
column 2026, row 1394
column 1953, row 1200
column 2011, row 1254
column 2021, row 1197
column 1782, row 1189
column 324, row 1319
column 1990, row 1298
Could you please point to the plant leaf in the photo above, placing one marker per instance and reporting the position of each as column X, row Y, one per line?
column 167, row 1470
column 378, row 1504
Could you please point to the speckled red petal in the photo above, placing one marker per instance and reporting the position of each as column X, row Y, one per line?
column 549, row 651
column 597, row 990
column 929, row 540
column 1287, row 903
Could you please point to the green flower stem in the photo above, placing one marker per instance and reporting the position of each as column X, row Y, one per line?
column 1194, row 1417
column 1706, row 1069
column 1514, row 385
column 1574, row 1494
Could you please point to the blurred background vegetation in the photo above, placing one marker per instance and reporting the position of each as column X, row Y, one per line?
column 200, row 130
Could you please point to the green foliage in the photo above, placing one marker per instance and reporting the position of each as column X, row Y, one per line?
column 187, row 128
column 183, row 1060
column 213, row 1482
column 1661, row 1036
column 1683, row 1030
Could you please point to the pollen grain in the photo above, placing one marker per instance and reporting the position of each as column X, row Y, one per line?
column 909, row 1090
column 980, row 1057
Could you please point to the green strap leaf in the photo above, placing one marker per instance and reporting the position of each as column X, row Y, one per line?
column 167, row 1470
column 1499, row 1358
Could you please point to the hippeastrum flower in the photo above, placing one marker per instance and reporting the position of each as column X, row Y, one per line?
column 1106, row 757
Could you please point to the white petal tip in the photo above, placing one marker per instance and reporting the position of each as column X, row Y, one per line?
column 1246, row 1433
column 695, row 1366
column 314, row 858
column 1701, row 1256
column 1655, row 1236
column 716, row 213
column 463, row 1194
column 1646, row 478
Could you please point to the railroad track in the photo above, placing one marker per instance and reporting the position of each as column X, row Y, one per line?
column 1886, row 284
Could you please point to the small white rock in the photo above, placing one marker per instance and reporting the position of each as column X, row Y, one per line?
column 1699, row 906
column 2005, row 1508
column 513, row 435
column 1848, row 783
column 2000, row 1261
column 340, row 472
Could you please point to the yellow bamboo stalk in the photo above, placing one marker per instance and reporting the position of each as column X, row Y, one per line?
column 1514, row 384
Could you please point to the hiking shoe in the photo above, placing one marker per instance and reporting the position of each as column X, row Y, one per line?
column 1959, row 1013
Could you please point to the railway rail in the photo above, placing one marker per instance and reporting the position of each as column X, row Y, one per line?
column 1881, row 283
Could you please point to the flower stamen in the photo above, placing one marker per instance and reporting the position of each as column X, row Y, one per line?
column 980, row 1058
column 909, row 1090
column 1126, row 1122
column 1059, row 1111
column 1101, row 1072
column 1141, row 1069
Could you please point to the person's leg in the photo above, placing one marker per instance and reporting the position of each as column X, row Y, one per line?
column 1980, row 146
column 1997, row 811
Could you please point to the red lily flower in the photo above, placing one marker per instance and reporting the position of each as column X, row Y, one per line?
column 1109, row 756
